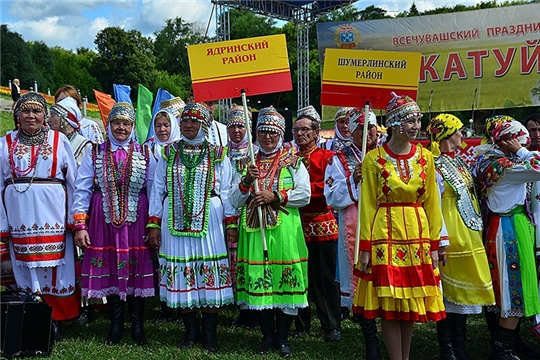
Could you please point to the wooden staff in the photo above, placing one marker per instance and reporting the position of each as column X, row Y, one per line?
column 364, row 146
column 252, row 156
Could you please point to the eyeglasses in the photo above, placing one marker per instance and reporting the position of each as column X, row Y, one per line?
column 302, row 129
column 263, row 133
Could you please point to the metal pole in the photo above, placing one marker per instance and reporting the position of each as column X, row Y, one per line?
column 85, row 101
column 252, row 158
column 364, row 147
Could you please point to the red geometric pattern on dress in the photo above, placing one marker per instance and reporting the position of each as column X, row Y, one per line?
column 418, row 253
column 379, row 252
column 386, row 189
column 47, row 150
column 400, row 254
column 329, row 181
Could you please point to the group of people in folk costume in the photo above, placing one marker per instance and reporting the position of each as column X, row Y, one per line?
column 189, row 217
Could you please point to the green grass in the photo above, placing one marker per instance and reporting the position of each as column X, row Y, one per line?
column 237, row 343
column 6, row 122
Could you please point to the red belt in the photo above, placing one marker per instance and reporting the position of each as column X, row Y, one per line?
column 399, row 204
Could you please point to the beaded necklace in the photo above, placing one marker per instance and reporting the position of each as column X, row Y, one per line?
column 34, row 157
column 266, row 179
column 458, row 177
column 32, row 139
column 353, row 156
column 192, row 160
column 190, row 173
column 120, row 187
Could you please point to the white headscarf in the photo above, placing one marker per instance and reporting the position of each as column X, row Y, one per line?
column 175, row 128
column 68, row 110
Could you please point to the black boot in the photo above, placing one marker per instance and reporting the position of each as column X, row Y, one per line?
column 345, row 312
column 209, row 331
column 136, row 311
column 492, row 323
column 523, row 349
column 242, row 318
column 86, row 316
column 444, row 334
column 266, row 322
column 116, row 315
column 302, row 322
column 459, row 331
column 57, row 330
column 503, row 345
column 165, row 313
column 369, row 329
column 253, row 320
column 283, row 326
column 193, row 331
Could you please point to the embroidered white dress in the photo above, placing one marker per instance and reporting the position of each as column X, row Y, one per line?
column 90, row 130
column 193, row 261
column 34, row 213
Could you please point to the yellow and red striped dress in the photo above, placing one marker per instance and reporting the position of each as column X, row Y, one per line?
column 400, row 224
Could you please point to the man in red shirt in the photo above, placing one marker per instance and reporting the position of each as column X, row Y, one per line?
column 532, row 123
column 320, row 230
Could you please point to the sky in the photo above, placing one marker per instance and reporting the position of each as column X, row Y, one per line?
column 71, row 24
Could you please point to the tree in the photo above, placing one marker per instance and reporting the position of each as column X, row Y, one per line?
column 74, row 69
column 42, row 58
column 124, row 57
column 346, row 13
column 176, row 84
column 15, row 58
column 170, row 46
column 372, row 13
column 245, row 24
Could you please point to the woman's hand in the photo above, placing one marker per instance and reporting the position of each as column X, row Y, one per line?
column 442, row 255
column 231, row 235
column 365, row 261
column 264, row 197
column 511, row 145
column 154, row 238
column 357, row 174
column 252, row 174
column 81, row 239
column 435, row 258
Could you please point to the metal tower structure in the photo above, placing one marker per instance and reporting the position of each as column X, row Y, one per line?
column 302, row 52
column 223, row 33
column 300, row 12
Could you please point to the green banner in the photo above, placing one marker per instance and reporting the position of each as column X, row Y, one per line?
column 144, row 113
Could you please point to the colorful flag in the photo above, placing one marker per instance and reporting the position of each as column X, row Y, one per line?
column 105, row 103
column 121, row 93
column 144, row 113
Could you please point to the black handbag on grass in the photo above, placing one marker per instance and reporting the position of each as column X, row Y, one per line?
column 26, row 325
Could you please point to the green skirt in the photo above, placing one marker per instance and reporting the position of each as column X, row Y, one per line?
column 281, row 282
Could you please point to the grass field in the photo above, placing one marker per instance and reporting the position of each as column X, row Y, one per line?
column 238, row 343
column 81, row 343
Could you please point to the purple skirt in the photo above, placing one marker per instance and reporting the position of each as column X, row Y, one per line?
column 118, row 261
